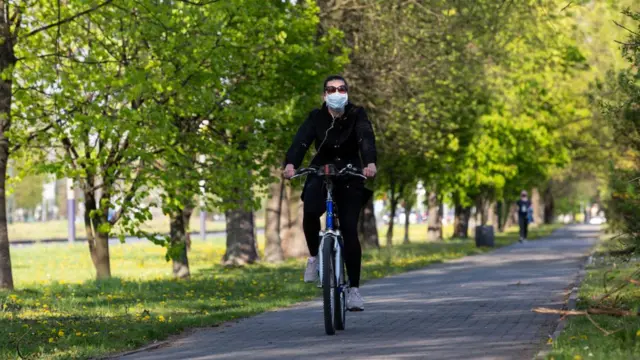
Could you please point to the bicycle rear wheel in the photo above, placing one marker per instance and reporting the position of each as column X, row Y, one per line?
column 328, row 285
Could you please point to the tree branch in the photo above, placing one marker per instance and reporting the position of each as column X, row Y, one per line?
column 74, row 59
column 197, row 3
column 587, row 313
column 130, row 194
column 566, row 7
column 68, row 19
column 629, row 30
column 32, row 136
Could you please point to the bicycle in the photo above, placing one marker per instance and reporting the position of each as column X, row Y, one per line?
column 334, row 286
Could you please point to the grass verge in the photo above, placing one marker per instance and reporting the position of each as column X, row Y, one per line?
column 58, row 229
column 60, row 320
column 581, row 339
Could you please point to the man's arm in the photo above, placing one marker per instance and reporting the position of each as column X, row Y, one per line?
column 301, row 142
column 366, row 142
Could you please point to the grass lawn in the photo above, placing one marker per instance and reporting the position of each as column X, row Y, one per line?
column 59, row 313
column 580, row 338
column 57, row 229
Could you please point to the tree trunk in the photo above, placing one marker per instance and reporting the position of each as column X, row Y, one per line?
column 536, row 203
column 434, row 220
column 368, row 228
column 493, row 214
column 500, row 216
column 273, row 242
column 7, row 61
column 296, row 245
column 461, row 221
column 394, row 206
column 6, row 275
column 180, row 241
column 407, row 215
column 285, row 219
column 482, row 212
column 241, row 240
column 549, row 206
column 97, row 239
column 511, row 215
column 440, row 218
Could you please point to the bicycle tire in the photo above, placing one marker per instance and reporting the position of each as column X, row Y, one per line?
column 340, row 299
column 328, row 290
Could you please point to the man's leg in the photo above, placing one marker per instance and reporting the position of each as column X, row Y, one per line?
column 349, row 206
column 522, row 223
column 313, row 210
column 526, row 228
column 352, row 250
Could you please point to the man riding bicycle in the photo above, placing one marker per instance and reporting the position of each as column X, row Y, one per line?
column 343, row 135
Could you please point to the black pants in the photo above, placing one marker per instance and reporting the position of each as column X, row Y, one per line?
column 348, row 196
column 524, row 226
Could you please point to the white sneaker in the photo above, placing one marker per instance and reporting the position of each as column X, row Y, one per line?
column 311, row 273
column 354, row 300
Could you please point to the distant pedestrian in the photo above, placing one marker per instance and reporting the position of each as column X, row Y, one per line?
column 524, row 213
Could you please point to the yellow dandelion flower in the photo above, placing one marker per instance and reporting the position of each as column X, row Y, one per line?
column 51, row 340
column 61, row 333
column 577, row 357
column 146, row 318
column 161, row 318
column 550, row 341
column 78, row 333
column 638, row 333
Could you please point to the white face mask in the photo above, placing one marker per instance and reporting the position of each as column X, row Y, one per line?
column 336, row 101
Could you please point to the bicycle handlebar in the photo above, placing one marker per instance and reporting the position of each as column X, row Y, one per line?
column 329, row 170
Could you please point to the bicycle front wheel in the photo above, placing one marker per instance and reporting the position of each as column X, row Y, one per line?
column 328, row 285
column 340, row 297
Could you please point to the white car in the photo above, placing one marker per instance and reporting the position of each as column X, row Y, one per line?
column 597, row 220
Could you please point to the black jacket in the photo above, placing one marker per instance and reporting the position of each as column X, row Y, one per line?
column 350, row 141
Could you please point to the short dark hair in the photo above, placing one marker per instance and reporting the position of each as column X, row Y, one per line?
column 334, row 77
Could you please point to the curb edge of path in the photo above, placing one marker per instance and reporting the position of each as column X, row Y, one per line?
column 570, row 305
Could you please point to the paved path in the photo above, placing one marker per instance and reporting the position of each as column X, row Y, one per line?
column 477, row 307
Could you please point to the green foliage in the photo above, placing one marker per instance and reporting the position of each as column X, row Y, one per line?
column 137, row 96
column 622, row 110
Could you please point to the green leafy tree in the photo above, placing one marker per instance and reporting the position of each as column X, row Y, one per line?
column 95, row 103
column 20, row 41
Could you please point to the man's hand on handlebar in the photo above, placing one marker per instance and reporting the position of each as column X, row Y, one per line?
column 289, row 171
column 370, row 171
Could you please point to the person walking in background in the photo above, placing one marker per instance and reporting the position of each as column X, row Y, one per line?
column 524, row 212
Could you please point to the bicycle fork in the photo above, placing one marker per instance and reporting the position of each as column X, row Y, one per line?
column 333, row 236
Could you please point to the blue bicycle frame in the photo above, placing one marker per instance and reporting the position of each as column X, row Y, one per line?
column 331, row 233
